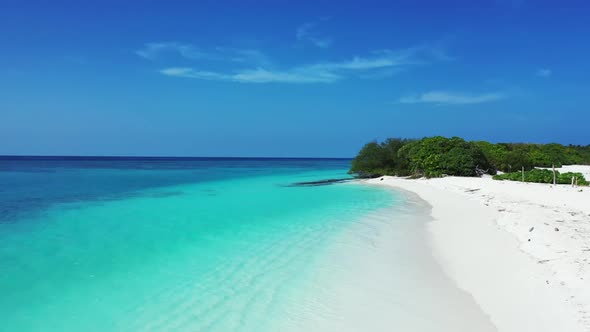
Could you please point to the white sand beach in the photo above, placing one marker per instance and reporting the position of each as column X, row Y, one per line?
column 522, row 250
column 380, row 276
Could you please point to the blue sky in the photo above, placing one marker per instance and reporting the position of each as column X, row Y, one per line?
column 279, row 78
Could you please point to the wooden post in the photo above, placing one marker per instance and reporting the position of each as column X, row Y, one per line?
column 573, row 179
column 554, row 179
column 522, row 173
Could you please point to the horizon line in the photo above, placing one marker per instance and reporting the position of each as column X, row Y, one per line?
column 2, row 156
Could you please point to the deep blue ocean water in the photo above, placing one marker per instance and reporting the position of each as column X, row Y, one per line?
column 166, row 244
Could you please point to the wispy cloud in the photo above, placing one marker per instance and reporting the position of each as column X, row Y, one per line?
column 191, row 73
column 257, row 75
column 378, row 62
column 452, row 98
column 544, row 72
column 247, row 56
column 307, row 32
column 153, row 51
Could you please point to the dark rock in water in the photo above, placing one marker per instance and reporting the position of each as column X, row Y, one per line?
column 167, row 194
column 209, row 192
column 320, row 182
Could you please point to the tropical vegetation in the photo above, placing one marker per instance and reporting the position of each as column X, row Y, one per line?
column 439, row 156
column 544, row 176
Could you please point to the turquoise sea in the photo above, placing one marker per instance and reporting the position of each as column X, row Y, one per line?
column 167, row 244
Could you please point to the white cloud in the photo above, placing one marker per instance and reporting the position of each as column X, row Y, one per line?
column 300, row 75
column 451, row 98
column 248, row 56
column 544, row 72
column 191, row 73
column 152, row 51
column 308, row 32
column 253, row 66
column 258, row 75
column 379, row 63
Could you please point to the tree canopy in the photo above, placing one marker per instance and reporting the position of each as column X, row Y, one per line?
column 438, row 156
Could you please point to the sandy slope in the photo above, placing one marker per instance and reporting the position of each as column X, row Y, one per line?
column 521, row 250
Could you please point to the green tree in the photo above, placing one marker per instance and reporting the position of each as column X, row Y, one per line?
column 437, row 156
column 395, row 163
column 371, row 161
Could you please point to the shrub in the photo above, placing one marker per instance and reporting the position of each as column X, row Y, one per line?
column 543, row 176
column 566, row 178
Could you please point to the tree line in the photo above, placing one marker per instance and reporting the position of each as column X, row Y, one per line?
column 438, row 156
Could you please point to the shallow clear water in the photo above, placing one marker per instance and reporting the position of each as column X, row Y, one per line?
column 166, row 244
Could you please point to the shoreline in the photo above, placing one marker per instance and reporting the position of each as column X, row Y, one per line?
column 480, row 236
column 379, row 274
